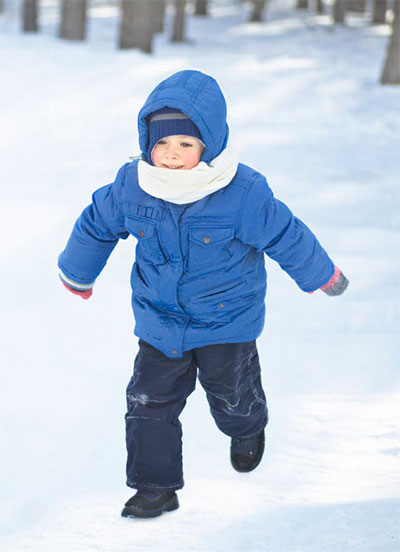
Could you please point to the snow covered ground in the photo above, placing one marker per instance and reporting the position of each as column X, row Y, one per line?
column 307, row 110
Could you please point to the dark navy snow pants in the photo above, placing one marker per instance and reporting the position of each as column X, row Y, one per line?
column 157, row 393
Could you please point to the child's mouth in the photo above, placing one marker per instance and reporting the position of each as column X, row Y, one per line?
column 173, row 167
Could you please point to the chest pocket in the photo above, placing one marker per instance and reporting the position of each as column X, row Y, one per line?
column 209, row 246
column 145, row 231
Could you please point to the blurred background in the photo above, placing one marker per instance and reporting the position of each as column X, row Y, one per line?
column 312, row 89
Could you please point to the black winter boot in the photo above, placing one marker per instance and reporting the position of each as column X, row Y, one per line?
column 246, row 454
column 146, row 504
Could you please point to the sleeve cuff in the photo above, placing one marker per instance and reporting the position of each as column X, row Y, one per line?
column 74, row 285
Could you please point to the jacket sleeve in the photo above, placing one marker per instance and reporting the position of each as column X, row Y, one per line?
column 95, row 234
column 268, row 225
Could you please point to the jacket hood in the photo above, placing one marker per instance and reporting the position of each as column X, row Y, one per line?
column 200, row 98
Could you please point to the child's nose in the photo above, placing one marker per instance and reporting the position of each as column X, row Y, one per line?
column 171, row 152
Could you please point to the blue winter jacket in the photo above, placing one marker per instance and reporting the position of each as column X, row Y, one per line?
column 199, row 276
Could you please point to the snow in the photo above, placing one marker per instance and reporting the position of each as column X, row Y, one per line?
column 306, row 109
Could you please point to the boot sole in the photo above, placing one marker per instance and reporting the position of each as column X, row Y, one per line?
column 135, row 512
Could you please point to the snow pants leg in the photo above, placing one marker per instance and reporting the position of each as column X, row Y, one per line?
column 231, row 376
column 157, row 393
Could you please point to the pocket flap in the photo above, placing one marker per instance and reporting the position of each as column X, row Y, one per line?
column 141, row 229
column 208, row 236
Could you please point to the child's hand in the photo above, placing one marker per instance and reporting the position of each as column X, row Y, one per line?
column 337, row 284
column 84, row 294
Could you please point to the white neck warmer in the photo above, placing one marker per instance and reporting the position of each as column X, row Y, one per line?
column 187, row 186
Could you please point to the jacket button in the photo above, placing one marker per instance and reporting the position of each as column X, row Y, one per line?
column 141, row 233
column 221, row 305
column 174, row 352
column 206, row 239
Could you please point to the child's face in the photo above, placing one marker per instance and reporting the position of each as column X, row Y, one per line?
column 177, row 152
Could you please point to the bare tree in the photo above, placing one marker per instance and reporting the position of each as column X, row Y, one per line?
column 73, row 19
column 356, row 6
column 158, row 15
column 302, row 4
column 178, row 30
column 379, row 11
column 391, row 69
column 201, row 7
column 339, row 11
column 30, row 16
column 320, row 6
column 257, row 12
column 136, row 26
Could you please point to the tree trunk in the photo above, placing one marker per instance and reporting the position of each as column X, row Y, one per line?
column 158, row 15
column 201, row 7
column 391, row 69
column 73, row 19
column 178, row 31
column 302, row 4
column 1, row 6
column 30, row 16
column 356, row 6
column 136, row 27
column 339, row 11
column 320, row 6
column 379, row 11
column 257, row 11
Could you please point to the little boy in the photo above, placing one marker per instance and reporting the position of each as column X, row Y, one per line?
column 203, row 222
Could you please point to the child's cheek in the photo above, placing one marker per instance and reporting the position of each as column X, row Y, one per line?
column 155, row 157
column 192, row 159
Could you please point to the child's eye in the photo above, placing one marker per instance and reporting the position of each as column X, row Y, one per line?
column 186, row 145
column 162, row 142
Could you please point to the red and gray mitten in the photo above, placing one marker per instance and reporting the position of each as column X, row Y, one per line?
column 83, row 290
column 337, row 284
